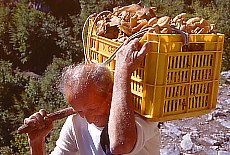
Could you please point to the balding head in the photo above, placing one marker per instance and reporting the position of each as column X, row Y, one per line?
column 75, row 79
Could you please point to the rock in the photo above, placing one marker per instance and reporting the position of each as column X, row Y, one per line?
column 186, row 143
column 170, row 150
column 223, row 153
column 217, row 143
column 206, row 141
column 196, row 148
column 225, row 76
column 226, row 124
column 219, row 114
column 209, row 117
column 172, row 130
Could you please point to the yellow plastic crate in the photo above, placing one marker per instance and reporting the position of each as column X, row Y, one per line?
column 170, row 83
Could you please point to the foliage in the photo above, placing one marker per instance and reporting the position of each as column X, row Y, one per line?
column 36, row 43
column 11, row 102
column 223, row 27
column 30, row 38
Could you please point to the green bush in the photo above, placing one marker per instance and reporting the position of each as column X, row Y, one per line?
column 35, row 46
column 12, row 109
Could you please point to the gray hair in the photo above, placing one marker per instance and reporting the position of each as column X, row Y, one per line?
column 77, row 77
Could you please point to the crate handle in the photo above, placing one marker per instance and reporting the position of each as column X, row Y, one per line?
column 185, row 36
column 83, row 38
column 90, row 34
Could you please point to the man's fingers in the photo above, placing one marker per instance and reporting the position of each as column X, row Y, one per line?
column 36, row 120
column 30, row 121
column 43, row 112
column 143, row 50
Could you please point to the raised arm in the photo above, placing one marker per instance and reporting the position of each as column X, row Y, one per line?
column 121, row 127
column 36, row 138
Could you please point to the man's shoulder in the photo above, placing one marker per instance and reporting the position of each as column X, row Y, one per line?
column 140, row 120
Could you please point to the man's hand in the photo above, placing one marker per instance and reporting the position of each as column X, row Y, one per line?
column 42, row 128
column 129, row 57
column 41, row 123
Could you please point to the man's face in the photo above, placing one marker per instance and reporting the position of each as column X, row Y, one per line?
column 91, row 105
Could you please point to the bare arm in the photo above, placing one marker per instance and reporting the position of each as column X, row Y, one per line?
column 121, row 127
column 36, row 138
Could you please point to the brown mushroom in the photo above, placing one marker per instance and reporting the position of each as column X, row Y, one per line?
column 139, row 26
column 197, row 29
column 115, row 21
column 145, row 26
column 133, row 21
column 164, row 30
column 193, row 20
column 126, row 30
column 145, row 13
column 156, row 28
column 212, row 28
column 203, row 23
column 180, row 16
column 152, row 21
column 163, row 21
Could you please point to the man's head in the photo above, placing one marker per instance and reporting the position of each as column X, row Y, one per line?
column 88, row 89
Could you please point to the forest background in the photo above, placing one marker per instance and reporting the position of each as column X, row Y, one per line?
column 38, row 38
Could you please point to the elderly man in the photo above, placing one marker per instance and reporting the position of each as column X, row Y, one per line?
column 104, row 111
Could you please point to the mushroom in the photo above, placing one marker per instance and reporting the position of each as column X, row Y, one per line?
column 197, row 29
column 124, row 15
column 163, row 22
column 203, row 23
column 156, row 28
column 145, row 13
column 115, row 21
column 183, row 28
column 139, row 26
column 152, row 21
column 193, row 20
column 180, row 16
column 133, row 21
column 145, row 26
column 212, row 28
column 125, row 29
column 164, row 30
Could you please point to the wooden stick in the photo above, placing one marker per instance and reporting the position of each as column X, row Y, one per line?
column 25, row 128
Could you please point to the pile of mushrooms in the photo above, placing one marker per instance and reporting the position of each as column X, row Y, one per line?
column 127, row 20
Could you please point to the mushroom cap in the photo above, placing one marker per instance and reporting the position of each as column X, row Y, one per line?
column 203, row 22
column 180, row 16
column 145, row 13
column 115, row 21
column 193, row 20
column 153, row 8
column 152, row 21
column 183, row 28
column 163, row 21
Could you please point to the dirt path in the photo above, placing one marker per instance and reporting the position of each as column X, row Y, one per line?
column 205, row 135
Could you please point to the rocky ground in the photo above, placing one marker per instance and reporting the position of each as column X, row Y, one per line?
column 204, row 135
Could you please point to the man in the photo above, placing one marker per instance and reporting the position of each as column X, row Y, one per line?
column 100, row 102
